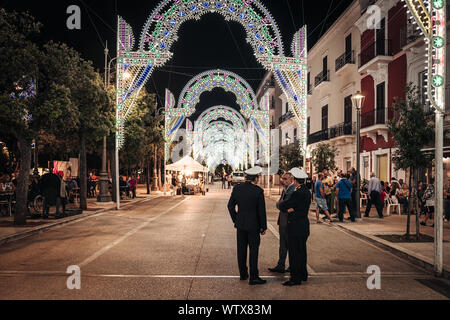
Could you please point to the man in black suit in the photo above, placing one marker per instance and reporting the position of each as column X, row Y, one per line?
column 287, row 181
column 250, row 221
column 298, row 228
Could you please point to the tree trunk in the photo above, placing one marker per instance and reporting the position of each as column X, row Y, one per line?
column 113, row 174
column 155, row 172
column 160, row 186
column 20, row 215
column 415, row 203
column 83, row 173
column 148, row 176
column 408, row 224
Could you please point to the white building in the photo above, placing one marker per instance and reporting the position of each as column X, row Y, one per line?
column 332, row 80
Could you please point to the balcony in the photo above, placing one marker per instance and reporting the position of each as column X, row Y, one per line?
column 409, row 35
column 378, row 52
column 286, row 117
column 346, row 59
column 340, row 131
column 375, row 123
column 322, row 78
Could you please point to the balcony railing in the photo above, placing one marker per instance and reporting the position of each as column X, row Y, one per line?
column 346, row 58
column 379, row 48
column 376, row 117
column 286, row 117
column 408, row 35
column 322, row 77
column 343, row 129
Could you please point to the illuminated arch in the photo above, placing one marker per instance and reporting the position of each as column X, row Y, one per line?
column 134, row 68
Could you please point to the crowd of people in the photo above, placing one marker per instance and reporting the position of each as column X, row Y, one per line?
column 336, row 195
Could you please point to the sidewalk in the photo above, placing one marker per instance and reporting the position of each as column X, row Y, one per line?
column 371, row 228
column 9, row 233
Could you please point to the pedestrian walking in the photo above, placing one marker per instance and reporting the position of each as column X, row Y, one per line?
column 250, row 220
column 321, row 200
column 429, row 200
column 224, row 180
column 229, row 181
column 374, row 191
column 298, row 228
column 287, row 180
column 328, row 185
column 50, row 186
column 344, row 195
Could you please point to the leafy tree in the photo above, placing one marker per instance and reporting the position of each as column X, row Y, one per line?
column 323, row 157
column 23, row 116
column 411, row 132
column 290, row 157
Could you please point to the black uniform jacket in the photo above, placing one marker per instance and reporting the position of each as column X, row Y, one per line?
column 298, row 222
column 251, row 214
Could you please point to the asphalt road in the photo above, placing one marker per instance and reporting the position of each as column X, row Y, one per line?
column 174, row 248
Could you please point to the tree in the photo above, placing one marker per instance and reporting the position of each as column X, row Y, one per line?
column 23, row 111
column 323, row 157
column 290, row 157
column 411, row 132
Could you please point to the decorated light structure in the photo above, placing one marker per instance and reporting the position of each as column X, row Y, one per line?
column 134, row 67
column 431, row 19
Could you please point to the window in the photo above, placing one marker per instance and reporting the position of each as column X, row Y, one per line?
column 309, row 126
column 309, row 82
column 325, row 66
column 381, row 103
column 423, row 88
column 325, row 118
column 273, row 103
column 295, row 134
column 348, row 110
column 287, row 107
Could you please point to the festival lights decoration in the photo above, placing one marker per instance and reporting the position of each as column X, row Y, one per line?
column 430, row 17
column 161, row 31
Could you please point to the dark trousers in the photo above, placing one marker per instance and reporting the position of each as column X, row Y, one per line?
column 354, row 202
column 328, row 199
column 405, row 203
column 283, row 251
column 298, row 258
column 252, row 240
column 374, row 200
column 345, row 203
column 447, row 209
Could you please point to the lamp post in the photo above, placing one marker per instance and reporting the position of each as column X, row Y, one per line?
column 104, row 181
column 358, row 101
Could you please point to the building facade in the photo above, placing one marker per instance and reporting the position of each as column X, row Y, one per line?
column 333, row 79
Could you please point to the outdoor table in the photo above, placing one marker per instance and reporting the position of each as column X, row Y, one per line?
column 9, row 198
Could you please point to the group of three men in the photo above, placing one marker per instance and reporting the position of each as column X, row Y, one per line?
column 251, row 222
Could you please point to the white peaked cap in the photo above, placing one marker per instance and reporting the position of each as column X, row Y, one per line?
column 298, row 173
column 254, row 171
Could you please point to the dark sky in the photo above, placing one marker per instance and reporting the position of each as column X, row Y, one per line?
column 206, row 44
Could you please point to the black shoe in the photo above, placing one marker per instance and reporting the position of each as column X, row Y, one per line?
column 305, row 279
column 288, row 270
column 243, row 278
column 341, row 221
column 277, row 270
column 423, row 224
column 257, row 281
column 291, row 283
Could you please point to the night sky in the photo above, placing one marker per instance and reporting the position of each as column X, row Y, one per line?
column 206, row 44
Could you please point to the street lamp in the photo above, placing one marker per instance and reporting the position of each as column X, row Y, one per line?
column 357, row 102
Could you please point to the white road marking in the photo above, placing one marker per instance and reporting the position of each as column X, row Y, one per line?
column 127, row 235
column 148, row 276
column 277, row 235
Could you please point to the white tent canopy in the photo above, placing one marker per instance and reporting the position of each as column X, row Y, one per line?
column 187, row 163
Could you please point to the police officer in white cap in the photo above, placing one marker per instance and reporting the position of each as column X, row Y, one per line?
column 250, row 221
column 298, row 227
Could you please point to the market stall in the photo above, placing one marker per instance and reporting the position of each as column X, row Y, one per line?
column 189, row 176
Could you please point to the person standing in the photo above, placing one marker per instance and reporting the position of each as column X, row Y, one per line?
column 298, row 228
column 224, row 179
column 344, row 196
column 374, row 191
column 287, row 181
column 354, row 181
column 321, row 200
column 250, row 221
column 50, row 186
column 328, row 185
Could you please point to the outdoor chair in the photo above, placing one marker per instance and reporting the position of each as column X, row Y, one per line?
column 393, row 203
column 363, row 199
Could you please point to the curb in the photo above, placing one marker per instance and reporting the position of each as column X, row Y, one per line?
column 40, row 229
column 406, row 254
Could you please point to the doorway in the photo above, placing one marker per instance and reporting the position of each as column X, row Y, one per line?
column 383, row 168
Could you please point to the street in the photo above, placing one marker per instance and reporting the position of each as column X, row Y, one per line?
column 184, row 248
